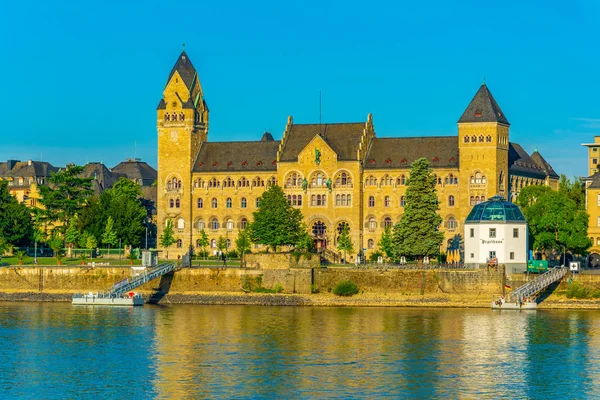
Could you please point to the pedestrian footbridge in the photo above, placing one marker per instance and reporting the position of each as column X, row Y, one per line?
column 524, row 297
column 165, row 271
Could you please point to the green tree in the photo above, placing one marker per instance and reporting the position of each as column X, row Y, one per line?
column 167, row 239
column 56, row 243
column 385, row 244
column 574, row 190
column 417, row 234
column 242, row 243
column 344, row 242
column 65, row 195
column 556, row 222
column 203, row 242
column 71, row 236
column 16, row 226
column 109, row 237
column 128, row 211
column 221, row 243
column 276, row 223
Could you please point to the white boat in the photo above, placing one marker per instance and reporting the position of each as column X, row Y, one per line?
column 523, row 304
column 106, row 299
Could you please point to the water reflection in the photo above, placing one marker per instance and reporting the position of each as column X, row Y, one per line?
column 248, row 352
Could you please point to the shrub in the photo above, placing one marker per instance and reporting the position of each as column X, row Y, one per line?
column 578, row 291
column 596, row 294
column 314, row 288
column 375, row 256
column 296, row 256
column 232, row 254
column 345, row 288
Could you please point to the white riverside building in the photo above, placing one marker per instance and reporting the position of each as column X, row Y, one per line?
column 497, row 229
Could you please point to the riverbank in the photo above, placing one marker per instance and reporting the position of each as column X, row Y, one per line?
column 318, row 300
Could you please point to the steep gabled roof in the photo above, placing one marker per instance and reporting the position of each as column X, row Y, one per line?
column 520, row 163
column 30, row 169
column 185, row 68
column 595, row 179
column 343, row 138
column 102, row 178
column 237, row 156
column 541, row 161
column 440, row 151
column 136, row 169
column 483, row 108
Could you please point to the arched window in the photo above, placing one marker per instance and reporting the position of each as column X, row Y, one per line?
column 181, row 116
column 371, row 201
column 213, row 202
column 214, row 224
column 343, row 200
column 402, row 201
column 167, row 117
column 387, row 222
column 451, row 224
column 171, row 203
column 348, row 200
column 243, row 202
column 257, row 202
column 403, row 180
column 451, row 201
column 200, row 203
column 474, row 139
column 370, row 244
column 213, row 243
column 482, row 199
column 477, row 201
column 466, row 139
column 341, row 226
column 179, row 243
column 338, row 200
column 386, row 181
column 319, row 228
column 180, row 223
column 200, row 225
column 478, row 178
column 483, row 180
column 272, row 181
column 472, row 201
column 174, row 117
column 480, row 138
column 243, row 223
column 228, row 202
column 289, row 199
column 229, row 224
column 488, row 139
column 386, row 201
column 372, row 225
column 197, row 243
column 299, row 199
column 177, row 203
column 243, row 182
column 313, row 200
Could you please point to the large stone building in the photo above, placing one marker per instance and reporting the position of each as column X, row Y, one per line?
column 592, row 198
column 335, row 173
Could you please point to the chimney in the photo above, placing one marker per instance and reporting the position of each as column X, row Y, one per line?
column 29, row 162
column 10, row 164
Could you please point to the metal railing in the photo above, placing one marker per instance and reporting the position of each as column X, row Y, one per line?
column 143, row 278
column 540, row 283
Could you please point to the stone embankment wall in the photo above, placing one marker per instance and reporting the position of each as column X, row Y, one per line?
column 292, row 280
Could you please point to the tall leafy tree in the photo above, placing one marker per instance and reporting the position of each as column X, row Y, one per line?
column 276, row 223
column 203, row 242
column 556, row 221
column 417, row 234
column 16, row 226
column 574, row 190
column 167, row 239
column 65, row 195
column 345, row 242
column 242, row 243
column 71, row 236
column 386, row 246
column 109, row 237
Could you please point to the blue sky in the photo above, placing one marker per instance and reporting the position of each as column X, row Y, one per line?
column 81, row 80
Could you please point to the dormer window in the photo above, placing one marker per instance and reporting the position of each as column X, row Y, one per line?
column 478, row 115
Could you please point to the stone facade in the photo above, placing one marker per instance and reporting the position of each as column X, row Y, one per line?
column 335, row 174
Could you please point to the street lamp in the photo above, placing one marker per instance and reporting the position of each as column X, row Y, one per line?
column 146, row 237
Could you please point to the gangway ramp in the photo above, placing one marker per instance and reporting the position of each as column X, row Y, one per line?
column 540, row 283
column 120, row 288
column 524, row 296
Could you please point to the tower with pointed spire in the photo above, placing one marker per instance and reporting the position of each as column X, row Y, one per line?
column 182, row 124
column 483, row 141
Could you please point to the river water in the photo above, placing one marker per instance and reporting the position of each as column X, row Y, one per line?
column 55, row 350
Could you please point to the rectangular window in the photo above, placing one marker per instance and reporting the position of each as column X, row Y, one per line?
column 492, row 232
column 472, row 255
column 515, row 232
column 472, row 232
column 512, row 255
column 492, row 254
column 594, row 161
column 594, row 149
column 598, row 199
